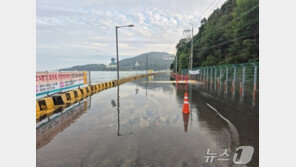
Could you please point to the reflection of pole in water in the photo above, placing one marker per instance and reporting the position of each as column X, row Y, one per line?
column 118, row 113
column 185, row 121
column 146, row 84
column 137, row 90
column 89, row 104
column 233, row 83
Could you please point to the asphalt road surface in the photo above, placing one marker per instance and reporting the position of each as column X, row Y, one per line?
column 148, row 128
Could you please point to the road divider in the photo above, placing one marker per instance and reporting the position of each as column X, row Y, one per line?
column 57, row 102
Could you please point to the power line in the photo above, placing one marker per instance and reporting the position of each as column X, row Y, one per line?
column 199, row 17
column 228, row 23
column 224, row 43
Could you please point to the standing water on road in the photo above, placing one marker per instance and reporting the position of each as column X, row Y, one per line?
column 141, row 124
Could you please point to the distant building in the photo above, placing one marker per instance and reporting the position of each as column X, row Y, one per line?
column 113, row 64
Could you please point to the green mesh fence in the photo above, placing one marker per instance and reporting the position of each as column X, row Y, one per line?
column 244, row 77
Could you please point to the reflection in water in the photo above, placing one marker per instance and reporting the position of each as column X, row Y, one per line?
column 234, row 123
column 137, row 90
column 113, row 103
column 49, row 128
column 221, row 88
column 185, row 121
column 220, row 131
column 118, row 114
column 146, row 85
column 163, row 136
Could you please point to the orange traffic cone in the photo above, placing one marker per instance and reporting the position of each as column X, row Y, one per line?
column 186, row 104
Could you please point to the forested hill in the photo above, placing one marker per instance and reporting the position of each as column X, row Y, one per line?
column 230, row 35
column 155, row 61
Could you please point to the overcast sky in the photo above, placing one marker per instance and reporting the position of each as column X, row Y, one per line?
column 75, row 32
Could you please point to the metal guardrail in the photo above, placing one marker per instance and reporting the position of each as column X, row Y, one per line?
column 243, row 76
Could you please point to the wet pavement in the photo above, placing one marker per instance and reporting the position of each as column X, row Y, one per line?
column 148, row 128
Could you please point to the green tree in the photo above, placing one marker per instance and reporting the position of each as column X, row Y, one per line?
column 230, row 35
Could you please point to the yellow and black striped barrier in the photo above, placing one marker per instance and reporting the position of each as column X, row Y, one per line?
column 48, row 105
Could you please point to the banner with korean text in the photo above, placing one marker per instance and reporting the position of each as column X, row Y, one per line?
column 50, row 82
column 193, row 72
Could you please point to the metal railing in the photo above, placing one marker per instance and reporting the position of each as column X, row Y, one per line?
column 229, row 77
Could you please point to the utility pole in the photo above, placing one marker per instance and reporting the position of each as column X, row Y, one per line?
column 186, row 33
column 176, row 63
column 191, row 48
column 89, row 78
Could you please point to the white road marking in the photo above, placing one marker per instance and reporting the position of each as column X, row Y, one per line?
column 233, row 130
column 218, row 113
column 206, row 94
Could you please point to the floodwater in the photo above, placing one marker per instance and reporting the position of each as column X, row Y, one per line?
column 141, row 124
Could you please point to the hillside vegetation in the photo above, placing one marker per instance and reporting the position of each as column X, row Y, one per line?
column 158, row 60
column 230, row 35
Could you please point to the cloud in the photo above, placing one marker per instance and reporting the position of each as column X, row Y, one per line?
column 72, row 32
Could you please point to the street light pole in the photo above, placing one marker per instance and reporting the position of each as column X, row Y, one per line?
column 191, row 48
column 116, row 30
column 117, row 59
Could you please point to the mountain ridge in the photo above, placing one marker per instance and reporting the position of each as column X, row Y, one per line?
column 155, row 61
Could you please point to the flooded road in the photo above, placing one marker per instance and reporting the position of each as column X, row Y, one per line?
column 141, row 124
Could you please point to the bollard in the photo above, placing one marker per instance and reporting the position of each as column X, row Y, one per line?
column 70, row 97
column 83, row 91
column 88, row 91
column 50, row 108
column 78, row 95
column 99, row 87
column 38, row 111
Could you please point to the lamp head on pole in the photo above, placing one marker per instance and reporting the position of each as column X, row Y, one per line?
column 131, row 25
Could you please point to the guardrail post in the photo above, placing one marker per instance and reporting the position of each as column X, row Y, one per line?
column 207, row 77
column 220, row 80
column 242, row 86
column 233, row 82
column 215, row 85
column 255, row 83
column 226, row 81
column 211, row 76
column 204, row 76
